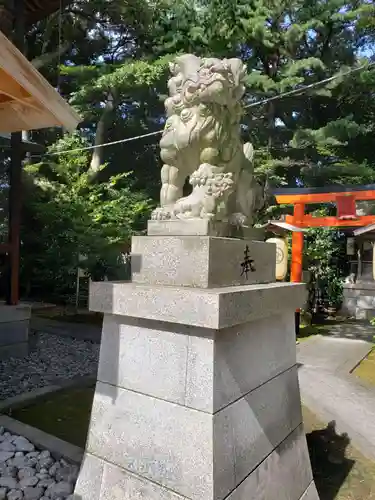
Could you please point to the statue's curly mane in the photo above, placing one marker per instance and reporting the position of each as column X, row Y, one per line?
column 210, row 88
column 197, row 81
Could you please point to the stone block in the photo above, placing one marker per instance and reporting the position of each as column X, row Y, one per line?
column 120, row 484
column 284, row 475
column 201, row 261
column 349, row 305
column 193, row 227
column 215, row 308
column 90, row 479
column 202, row 227
column 360, row 314
column 151, row 358
column 9, row 314
column 14, row 332
column 160, row 441
column 260, row 421
column 196, row 367
column 366, row 302
column 244, row 357
column 193, row 453
column 310, row 493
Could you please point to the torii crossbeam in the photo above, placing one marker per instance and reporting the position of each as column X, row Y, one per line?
column 344, row 197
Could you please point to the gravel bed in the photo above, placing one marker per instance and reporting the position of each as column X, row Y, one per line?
column 30, row 474
column 51, row 358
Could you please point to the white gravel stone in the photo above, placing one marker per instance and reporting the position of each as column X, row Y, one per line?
column 34, row 475
column 44, row 463
column 6, row 471
column 23, row 444
column 53, row 469
column 46, row 483
column 7, row 446
column 68, row 474
column 26, row 472
column 5, row 455
column 28, row 481
column 62, row 489
column 42, row 476
column 53, row 357
column 8, row 482
column 21, row 462
column 15, row 495
column 33, row 493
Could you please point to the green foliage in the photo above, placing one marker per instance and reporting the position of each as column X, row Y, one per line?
column 323, row 256
column 114, row 69
column 122, row 80
column 67, row 216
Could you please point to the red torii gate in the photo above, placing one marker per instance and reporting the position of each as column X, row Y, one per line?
column 345, row 198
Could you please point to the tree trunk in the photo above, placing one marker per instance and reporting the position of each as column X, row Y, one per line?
column 97, row 159
column 49, row 57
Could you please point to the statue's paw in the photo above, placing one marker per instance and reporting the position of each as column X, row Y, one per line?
column 190, row 206
column 182, row 206
column 161, row 213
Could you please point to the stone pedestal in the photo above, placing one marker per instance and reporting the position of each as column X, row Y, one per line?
column 197, row 394
column 14, row 330
column 359, row 300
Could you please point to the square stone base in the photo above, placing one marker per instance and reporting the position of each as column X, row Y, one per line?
column 209, row 410
column 201, row 261
column 14, row 330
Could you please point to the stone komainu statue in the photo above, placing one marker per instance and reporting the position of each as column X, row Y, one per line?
column 202, row 141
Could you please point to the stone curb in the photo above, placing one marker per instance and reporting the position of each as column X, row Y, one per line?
column 29, row 398
column 57, row 447
column 371, row 348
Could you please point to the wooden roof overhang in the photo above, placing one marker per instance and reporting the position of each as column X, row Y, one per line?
column 27, row 100
column 36, row 10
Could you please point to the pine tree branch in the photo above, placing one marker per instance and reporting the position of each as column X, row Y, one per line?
column 45, row 59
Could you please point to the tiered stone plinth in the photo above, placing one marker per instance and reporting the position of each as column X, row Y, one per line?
column 197, row 394
column 14, row 330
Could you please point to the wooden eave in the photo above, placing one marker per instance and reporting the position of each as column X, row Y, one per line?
column 36, row 10
column 27, row 100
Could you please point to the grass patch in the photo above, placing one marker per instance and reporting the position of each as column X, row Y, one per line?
column 65, row 415
column 340, row 471
column 307, row 331
column 366, row 369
